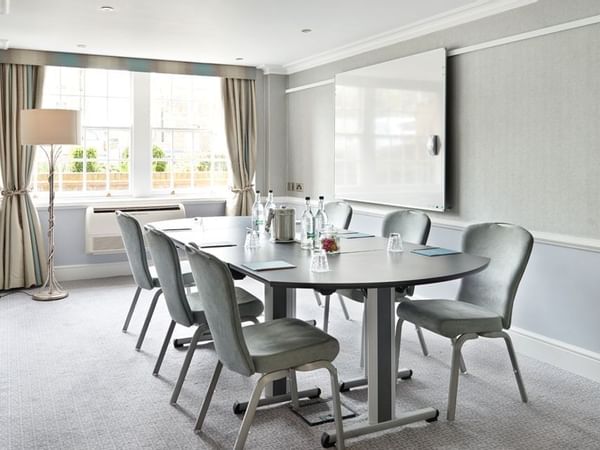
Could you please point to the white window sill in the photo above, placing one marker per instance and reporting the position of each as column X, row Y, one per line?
column 83, row 202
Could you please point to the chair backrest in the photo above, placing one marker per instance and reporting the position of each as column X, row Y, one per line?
column 216, row 290
column 413, row 226
column 166, row 261
column 494, row 288
column 133, row 238
column 339, row 214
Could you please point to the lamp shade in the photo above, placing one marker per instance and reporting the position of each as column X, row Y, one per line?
column 50, row 126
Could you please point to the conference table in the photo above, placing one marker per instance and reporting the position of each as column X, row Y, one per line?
column 362, row 263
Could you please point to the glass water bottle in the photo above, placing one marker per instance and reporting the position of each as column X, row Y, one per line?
column 307, row 238
column 320, row 218
column 258, row 214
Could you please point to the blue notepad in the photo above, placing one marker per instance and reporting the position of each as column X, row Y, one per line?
column 356, row 235
column 435, row 251
column 268, row 265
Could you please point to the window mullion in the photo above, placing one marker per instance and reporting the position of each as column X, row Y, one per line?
column 141, row 140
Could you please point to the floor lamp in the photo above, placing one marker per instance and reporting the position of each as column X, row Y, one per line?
column 51, row 128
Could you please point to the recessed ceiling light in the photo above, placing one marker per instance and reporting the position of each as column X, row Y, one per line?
column 107, row 8
column 239, row 58
column 306, row 30
column 81, row 45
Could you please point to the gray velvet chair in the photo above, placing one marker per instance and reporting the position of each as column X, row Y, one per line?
column 484, row 303
column 414, row 227
column 274, row 349
column 184, row 309
column 339, row 214
column 144, row 275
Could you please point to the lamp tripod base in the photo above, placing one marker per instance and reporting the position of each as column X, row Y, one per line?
column 50, row 291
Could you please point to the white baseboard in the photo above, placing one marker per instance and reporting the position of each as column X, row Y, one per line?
column 91, row 271
column 565, row 356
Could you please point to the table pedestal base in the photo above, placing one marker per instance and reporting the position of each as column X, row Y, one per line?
column 403, row 374
column 240, row 408
column 428, row 414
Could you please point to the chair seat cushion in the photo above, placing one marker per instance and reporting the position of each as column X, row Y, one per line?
column 287, row 343
column 248, row 304
column 449, row 318
column 186, row 272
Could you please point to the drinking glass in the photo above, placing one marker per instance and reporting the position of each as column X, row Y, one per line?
column 395, row 243
column 319, row 261
column 198, row 224
column 252, row 239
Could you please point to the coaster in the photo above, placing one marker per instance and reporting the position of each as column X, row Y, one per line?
column 318, row 411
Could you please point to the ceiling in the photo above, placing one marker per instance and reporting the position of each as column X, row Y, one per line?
column 262, row 32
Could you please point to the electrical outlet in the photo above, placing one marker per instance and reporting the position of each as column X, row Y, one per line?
column 291, row 186
column 299, row 187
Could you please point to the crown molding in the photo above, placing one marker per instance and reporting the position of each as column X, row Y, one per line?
column 272, row 69
column 469, row 13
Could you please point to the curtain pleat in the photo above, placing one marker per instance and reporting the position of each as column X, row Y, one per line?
column 22, row 248
column 239, row 104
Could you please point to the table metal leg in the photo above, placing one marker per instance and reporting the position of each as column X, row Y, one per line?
column 381, row 371
column 280, row 302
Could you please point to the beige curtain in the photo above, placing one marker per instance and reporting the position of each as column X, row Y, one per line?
column 239, row 102
column 22, row 249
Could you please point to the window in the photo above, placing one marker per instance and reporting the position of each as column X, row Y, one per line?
column 100, row 163
column 188, row 133
column 141, row 134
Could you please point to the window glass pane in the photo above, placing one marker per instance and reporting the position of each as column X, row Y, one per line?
column 101, row 161
column 187, row 121
column 96, row 82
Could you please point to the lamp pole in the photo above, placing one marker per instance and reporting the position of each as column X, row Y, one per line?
column 51, row 290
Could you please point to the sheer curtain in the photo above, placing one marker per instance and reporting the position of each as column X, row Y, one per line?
column 22, row 249
column 239, row 103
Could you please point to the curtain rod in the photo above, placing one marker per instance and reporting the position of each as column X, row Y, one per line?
column 44, row 58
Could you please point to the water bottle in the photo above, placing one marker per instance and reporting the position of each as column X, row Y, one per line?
column 258, row 214
column 320, row 217
column 307, row 238
column 270, row 204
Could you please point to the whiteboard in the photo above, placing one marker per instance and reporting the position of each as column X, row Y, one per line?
column 390, row 122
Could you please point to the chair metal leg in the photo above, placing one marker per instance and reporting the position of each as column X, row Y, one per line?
column 454, row 368
column 337, row 408
column 363, row 338
column 140, row 340
column 398, row 338
column 461, row 360
column 136, row 296
column 513, row 360
column 294, row 390
column 318, row 298
column 163, row 349
column 208, row 397
column 186, row 363
column 422, row 340
column 252, row 404
column 326, row 314
column 343, row 305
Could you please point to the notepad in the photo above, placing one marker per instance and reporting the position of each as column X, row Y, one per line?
column 216, row 244
column 357, row 235
column 435, row 251
column 268, row 265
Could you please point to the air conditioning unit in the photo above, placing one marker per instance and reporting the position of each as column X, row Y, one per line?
column 102, row 234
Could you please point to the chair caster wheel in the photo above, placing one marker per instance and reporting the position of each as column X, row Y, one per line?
column 409, row 376
column 238, row 408
column 326, row 441
column 435, row 418
column 317, row 395
column 177, row 343
column 344, row 387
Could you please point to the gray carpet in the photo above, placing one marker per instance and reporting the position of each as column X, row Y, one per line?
column 69, row 379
